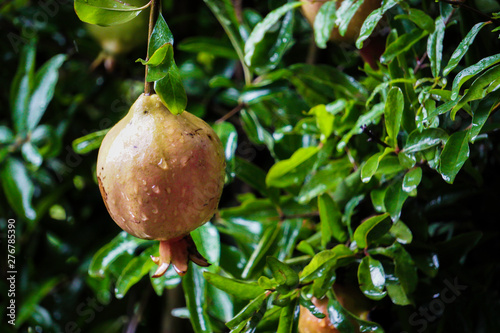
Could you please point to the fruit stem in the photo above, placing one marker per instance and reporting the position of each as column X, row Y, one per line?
column 149, row 87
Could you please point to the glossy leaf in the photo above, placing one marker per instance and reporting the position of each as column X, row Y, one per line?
column 288, row 318
column 18, row 188
column 157, row 58
column 394, row 199
column 293, row 170
column 463, row 47
column 402, row 44
column 229, row 138
column 370, row 167
column 207, row 241
column 393, row 112
column 89, row 142
column 454, row 155
column 6, row 135
column 401, row 232
column 195, row 293
column 324, row 260
column 31, row 154
column 106, row 12
column 248, row 311
column 471, row 71
column 135, row 270
column 435, row 47
column 372, row 20
column 339, row 317
column 371, row 276
column 43, row 90
column 238, row 288
column 331, row 220
column 420, row 18
column 345, row 13
column 309, row 306
column 263, row 27
column 430, row 137
column 371, row 229
column 324, row 23
column 412, row 179
column 122, row 244
column 261, row 250
column 283, row 273
column 21, row 87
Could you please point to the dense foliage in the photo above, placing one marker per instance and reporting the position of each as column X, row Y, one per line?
column 381, row 177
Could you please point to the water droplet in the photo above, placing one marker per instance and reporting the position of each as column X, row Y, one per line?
column 169, row 190
column 136, row 189
column 144, row 217
column 183, row 192
column 163, row 164
column 144, row 182
column 154, row 210
column 184, row 160
column 155, row 189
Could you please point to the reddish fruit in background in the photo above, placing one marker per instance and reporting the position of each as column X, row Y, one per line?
column 349, row 297
column 310, row 9
column 161, row 176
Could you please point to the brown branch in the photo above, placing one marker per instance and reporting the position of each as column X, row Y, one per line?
column 149, row 87
column 230, row 113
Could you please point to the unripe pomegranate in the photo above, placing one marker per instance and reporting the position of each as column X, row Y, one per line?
column 350, row 298
column 310, row 9
column 161, row 176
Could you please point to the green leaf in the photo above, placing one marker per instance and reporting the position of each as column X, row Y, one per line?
column 402, row 44
column 229, row 138
column 207, row 241
column 435, row 46
column 339, row 317
column 345, row 13
column 372, row 21
column 157, row 58
column 238, row 288
column 401, row 232
column 210, row 45
column 43, row 90
column 371, row 229
column 21, row 87
column 31, row 154
column 471, row 71
column 331, row 220
column 397, row 293
column 420, row 18
column 171, row 91
column 326, row 179
column 324, row 120
column 412, row 179
column 260, row 30
column 394, row 199
column 106, row 12
column 226, row 15
column 288, row 318
column 195, row 293
column 31, row 301
column 293, row 170
column 429, row 137
column 6, row 135
column 324, row 23
column 134, row 271
column 372, row 116
column 463, row 47
column 371, row 165
column 371, row 277
column 324, row 260
column 122, row 244
column 309, row 305
column 393, row 113
column 18, row 188
column 261, row 250
column 248, row 311
column 255, row 177
column 487, row 82
column 454, row 155
column 283, row 274
column 89, row 142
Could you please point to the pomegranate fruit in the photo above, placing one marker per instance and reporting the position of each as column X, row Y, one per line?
column 161, row 176
column 310, row 9
column 349, row 297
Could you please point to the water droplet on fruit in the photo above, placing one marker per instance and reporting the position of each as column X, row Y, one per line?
column 183, row 192
column 154, row 210
column 144, row 217
column 169, row 190
column 163, row 164
column 184, row 160
column 144, row 182
column 155, row 189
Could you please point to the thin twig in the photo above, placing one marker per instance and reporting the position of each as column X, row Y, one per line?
column 149, row 87
column 373, row 138
column 230, row 113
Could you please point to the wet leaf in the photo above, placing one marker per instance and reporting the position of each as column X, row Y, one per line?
column 331, row 220
column 239, row 288
column 393, row 112
column 372, row 21
column 89, row 142
column 106, row 12
column 195, row 292
column 371, row 229
column 293, row 170
column 371, row 278
column 412, row 179
column 454, row 155
column 324, row 23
